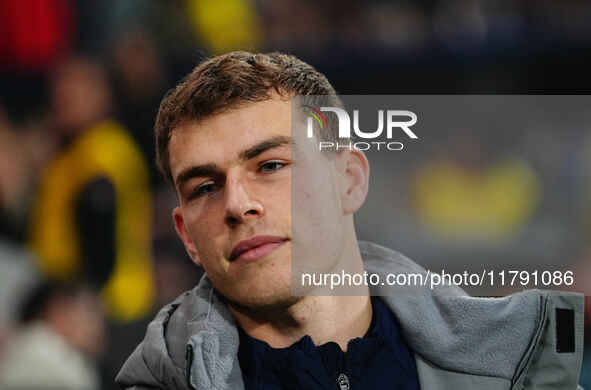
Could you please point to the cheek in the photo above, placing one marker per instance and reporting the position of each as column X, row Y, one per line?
column 317, row 226
column 278, row 198
column 203, row 227
column 314, row 194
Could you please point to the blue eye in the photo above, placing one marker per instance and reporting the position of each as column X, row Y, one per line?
column 271, row 166
column 203, row 189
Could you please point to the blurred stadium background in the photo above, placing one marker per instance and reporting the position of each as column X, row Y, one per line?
column 87, row 248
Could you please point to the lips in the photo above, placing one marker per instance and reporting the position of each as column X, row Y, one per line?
column 255, row 247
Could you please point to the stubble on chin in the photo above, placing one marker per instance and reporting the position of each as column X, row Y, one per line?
column 264, row 307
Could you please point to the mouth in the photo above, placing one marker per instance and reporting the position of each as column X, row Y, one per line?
column 255, row 248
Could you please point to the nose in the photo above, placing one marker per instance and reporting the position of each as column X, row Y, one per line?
column 240, row 203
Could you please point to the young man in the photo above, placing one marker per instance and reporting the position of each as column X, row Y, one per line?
column 226, row 142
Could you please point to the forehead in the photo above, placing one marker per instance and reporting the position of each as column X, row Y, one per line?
column 221, row 137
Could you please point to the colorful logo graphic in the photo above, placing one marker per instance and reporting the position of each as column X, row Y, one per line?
column 317, row 115
column 388, row 122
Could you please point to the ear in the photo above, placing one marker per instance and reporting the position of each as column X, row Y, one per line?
column 179, row 225
column 353, row 169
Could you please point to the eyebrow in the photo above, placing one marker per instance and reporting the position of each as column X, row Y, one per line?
column 263, row 146
column 211, row 169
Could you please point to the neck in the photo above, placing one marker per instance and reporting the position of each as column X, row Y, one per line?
column 336, row 318
column 323, row 318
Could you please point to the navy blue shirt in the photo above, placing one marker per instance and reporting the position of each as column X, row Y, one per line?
column 379, row 360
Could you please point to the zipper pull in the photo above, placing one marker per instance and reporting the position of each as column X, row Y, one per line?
column 343, row 382
column 188, row 364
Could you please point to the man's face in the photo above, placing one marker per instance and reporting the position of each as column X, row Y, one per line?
column 233, row 174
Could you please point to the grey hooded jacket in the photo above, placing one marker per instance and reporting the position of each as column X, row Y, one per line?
column 460, row 342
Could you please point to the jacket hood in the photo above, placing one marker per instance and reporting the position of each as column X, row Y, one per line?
column 479, row 336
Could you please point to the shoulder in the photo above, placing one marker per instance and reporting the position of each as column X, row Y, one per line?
column 159, row 359
column 531, row 337
column 375, row 255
